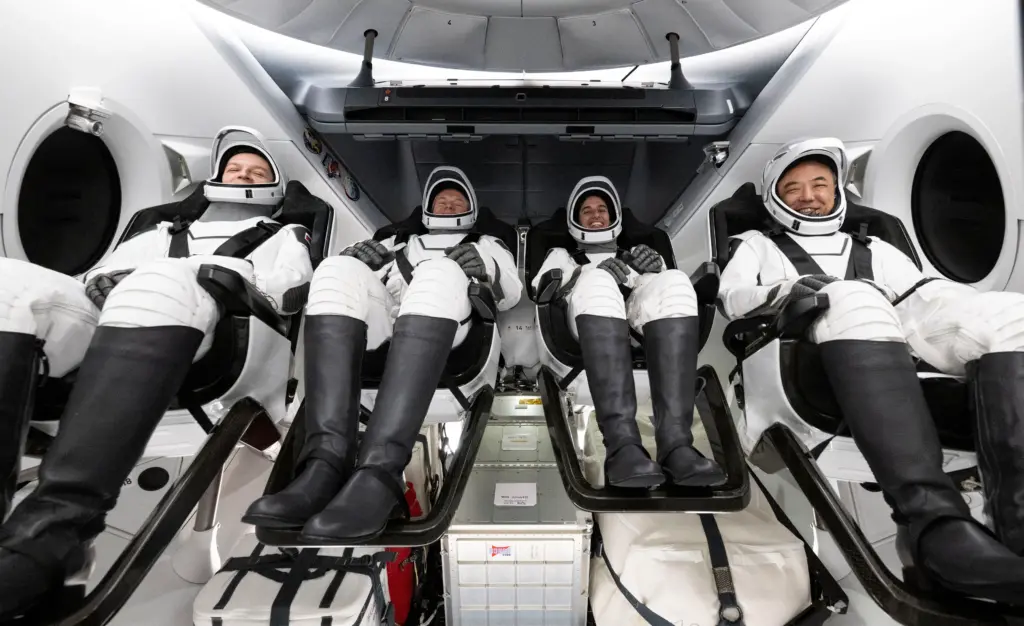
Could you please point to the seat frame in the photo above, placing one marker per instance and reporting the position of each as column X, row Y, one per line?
column 556, row 381
column 471, row 369
column 776, row 364
column 771, row 343
column 249, row 322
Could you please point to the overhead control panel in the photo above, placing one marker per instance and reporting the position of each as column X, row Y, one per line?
column 460, row 112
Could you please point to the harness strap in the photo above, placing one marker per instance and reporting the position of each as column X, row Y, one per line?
column 239, row 245
column 858, row 266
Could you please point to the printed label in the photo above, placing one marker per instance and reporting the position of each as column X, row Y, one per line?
column 519, row 441
column 515, row 494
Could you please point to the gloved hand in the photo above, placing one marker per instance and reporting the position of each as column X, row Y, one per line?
column 803, row 287
column 469, row 259
column 100, row 286
column 617, row 268
column 372, row 253
column 643, row 259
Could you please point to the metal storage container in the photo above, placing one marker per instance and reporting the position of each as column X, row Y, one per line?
column 517, row 552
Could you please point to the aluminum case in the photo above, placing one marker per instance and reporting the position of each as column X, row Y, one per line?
column 526, row 562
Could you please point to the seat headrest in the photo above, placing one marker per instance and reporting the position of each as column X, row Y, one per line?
column 486, row 224
column 744, row 211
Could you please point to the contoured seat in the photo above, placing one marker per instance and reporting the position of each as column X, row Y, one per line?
column 234, row 394
column 780, row 377
column 791, row 419
column 252, row 344
column 465, row 393
column 563, row 383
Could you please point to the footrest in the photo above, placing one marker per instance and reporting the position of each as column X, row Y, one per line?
column 399, row 533
column 734, row 495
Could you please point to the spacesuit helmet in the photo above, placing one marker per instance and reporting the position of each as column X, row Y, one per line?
column 234, row 140
column 827, row 150
column 445, row 177
column 603, row 188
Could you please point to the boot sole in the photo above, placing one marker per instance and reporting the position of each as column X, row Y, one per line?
column 644, row 481
column 697, row 481
column 317, row 540
column 265, row 521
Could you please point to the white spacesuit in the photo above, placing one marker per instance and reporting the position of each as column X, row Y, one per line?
column 879, row 302
column 660, row 305
column 413, row 289
column 132, row 327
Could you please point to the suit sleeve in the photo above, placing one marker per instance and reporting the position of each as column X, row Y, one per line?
column 502, row 273
column 740, row 292
column 898, row 272
column 144, row 247
column 283, row 269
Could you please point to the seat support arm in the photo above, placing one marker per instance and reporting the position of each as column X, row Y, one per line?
column 743, row 337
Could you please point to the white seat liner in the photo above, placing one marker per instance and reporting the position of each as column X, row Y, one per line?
column 662, row 558
column 250, row 603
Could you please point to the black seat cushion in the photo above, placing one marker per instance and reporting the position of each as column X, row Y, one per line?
column 810, row 393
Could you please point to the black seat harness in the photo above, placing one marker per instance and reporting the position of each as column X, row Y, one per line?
column 239, row 245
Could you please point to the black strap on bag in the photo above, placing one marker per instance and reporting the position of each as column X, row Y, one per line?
column 831, row 592
column 652, row 618
column 239, row 245
column 291, row 568
column 729, row 611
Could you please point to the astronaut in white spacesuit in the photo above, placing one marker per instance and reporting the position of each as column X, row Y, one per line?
column 413, row 289
column 132, row 327
column 662, row 306
column 879, row 305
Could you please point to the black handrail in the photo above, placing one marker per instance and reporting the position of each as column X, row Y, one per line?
column 734, row 495
column 904, row 605
column 398, row 532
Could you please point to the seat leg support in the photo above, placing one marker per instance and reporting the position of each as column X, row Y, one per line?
column 881, row 584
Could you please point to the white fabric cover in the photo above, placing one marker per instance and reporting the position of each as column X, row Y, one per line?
column 251, row 602
column 662, row 558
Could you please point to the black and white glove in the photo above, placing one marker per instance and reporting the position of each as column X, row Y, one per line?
column 100, row 286
column 372, row 253
column 617, row 268
column 469, row 259
column 803, row 287
column 644, row 259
